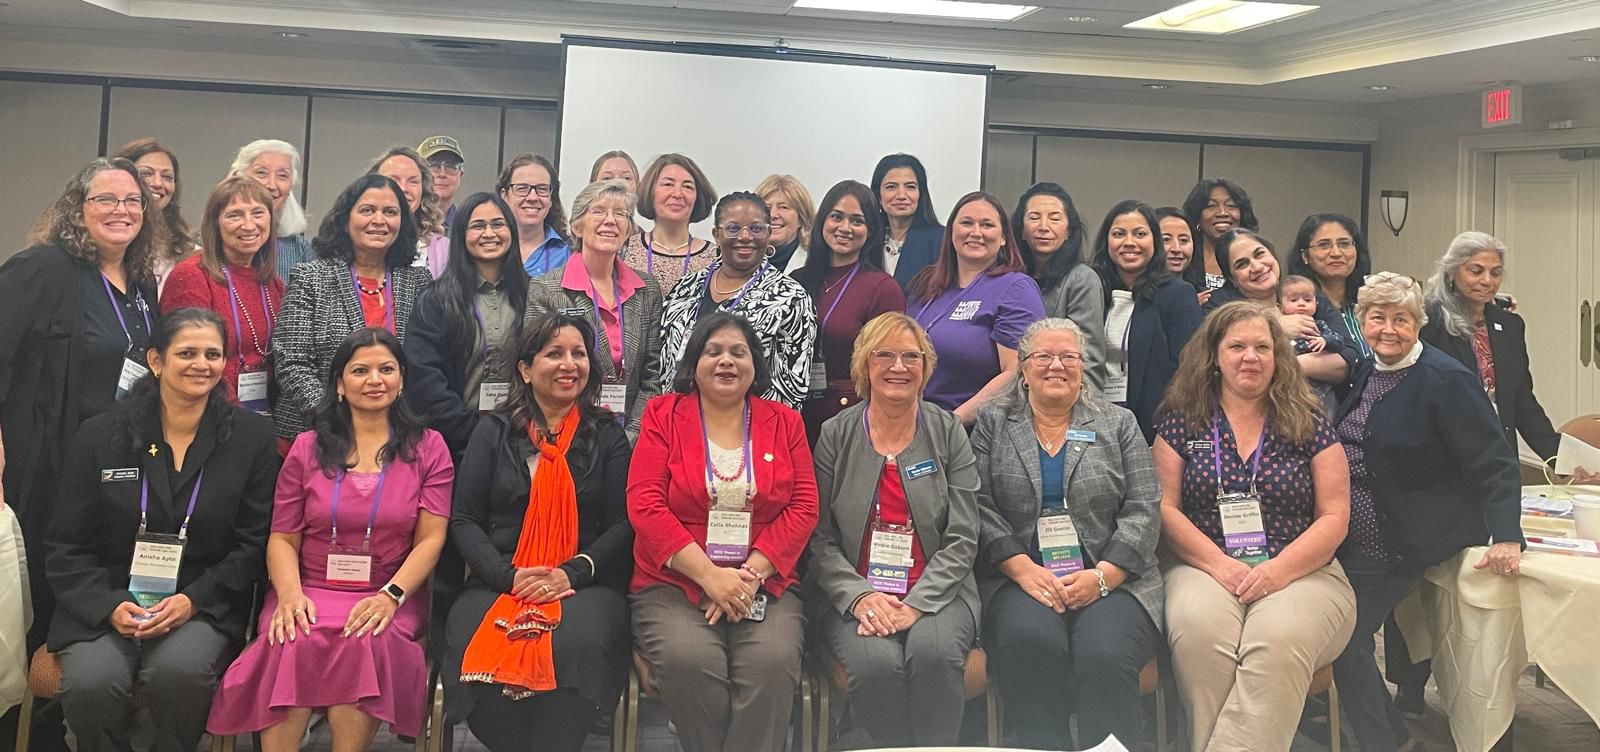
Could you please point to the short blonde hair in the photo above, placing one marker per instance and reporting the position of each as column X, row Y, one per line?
column 873, row 334
column 1389, row 288
column 592, row 194
column 799, row 199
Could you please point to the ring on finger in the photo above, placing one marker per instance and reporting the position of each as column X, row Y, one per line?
column 871, row 615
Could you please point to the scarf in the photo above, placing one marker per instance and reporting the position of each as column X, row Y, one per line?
column 512, row 644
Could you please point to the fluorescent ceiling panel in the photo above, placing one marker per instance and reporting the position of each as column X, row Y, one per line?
column 935, row 8
column 1219, row 16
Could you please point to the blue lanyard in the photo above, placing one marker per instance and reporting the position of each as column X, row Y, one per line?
column 144, row 504
column 117, row 309
column 835, row 304
column 650, row 254
column 388, row 295
column 1216, row 449
column 372, row 516
column 749, row 468
column 622, row 324
column 238, row 332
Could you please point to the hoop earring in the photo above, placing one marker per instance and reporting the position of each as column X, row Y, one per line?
column 772, row 250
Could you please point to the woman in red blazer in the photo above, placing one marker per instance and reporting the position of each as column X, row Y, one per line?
column 723, row 499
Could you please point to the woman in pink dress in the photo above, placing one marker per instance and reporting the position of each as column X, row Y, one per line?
column 360, row 515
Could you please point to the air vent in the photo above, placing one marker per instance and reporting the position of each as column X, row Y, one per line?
column 455, row 46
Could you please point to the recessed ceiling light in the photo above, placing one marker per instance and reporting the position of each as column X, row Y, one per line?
column 1158, row 86
column 1586, row 58
column 1379, row 87
column 291, row 35
column 1219, row 16
column 934, row 8
column 1082, row 19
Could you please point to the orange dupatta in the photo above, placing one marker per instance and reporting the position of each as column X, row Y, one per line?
column 512, row 644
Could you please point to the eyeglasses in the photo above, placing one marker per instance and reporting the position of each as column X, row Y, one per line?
column 1398, row 280
column 599, row 213
column 521, row 190
column 757, row 229
column 909, row 358
column 109, row 202
column 448, row 168
column 1343, row 244
column 1045, row 360
column 480, row 225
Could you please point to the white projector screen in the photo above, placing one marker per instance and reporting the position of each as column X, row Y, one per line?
column 743, row 118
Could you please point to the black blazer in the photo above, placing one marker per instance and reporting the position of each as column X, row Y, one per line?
column 1519, row 410
column 920, row 250
column 437, row 380
column 1439, row 480
column 491, row 496
column 90, row 543
column 1156, row 335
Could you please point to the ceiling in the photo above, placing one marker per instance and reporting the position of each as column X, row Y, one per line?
column 1420, row 48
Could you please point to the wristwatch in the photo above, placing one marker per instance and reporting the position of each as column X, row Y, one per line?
column 399, row 593
column 1100, row 579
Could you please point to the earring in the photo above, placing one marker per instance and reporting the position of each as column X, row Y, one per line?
column 772, row 250
column 341, row 398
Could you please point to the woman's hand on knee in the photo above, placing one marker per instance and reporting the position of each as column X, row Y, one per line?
column 1039, row 583
column 875, row 614
column 371, row 614
column 295, row 613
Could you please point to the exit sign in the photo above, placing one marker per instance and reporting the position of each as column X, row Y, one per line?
column 1502, row 105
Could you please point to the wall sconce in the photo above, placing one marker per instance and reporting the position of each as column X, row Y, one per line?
column 1394, row 204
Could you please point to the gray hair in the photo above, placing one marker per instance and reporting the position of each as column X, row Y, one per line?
column 291, row 218
column 1389, row 288
column 592, row 194
column 1443, row 298
column 1015, row 394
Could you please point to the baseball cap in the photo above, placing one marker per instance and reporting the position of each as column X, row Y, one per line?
column 439, row 144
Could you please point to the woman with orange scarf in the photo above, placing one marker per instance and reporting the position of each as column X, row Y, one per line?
column 538, row 640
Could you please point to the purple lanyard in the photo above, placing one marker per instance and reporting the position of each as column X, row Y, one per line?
column 1216, row 450
column 266, row 309
column 144, row 504
column 835, row 304
column 733, row 305
column 117, row 309
column 600, row 324
column 749, row 468
column 928, row 325
column 388, row 296
column 372, row 516
column 877, row 509
column 650, row 254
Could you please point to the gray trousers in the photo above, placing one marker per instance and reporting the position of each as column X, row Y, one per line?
column 177, row 675
column 727, row 687
column 906, row 690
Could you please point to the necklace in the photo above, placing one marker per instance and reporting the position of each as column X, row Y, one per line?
column 379, row 291
column 668, row 248
column 724, row 293
column 1059, row 431
column 255, row 340
column 892, row 246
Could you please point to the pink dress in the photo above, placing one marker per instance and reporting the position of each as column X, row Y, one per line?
column 385, row 677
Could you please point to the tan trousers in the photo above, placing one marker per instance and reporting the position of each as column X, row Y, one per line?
column 1243, row 670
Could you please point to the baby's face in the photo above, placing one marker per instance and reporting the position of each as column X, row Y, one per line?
column 1298, row 299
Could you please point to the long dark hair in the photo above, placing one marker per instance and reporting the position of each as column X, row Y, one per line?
column 331, row 419
column 1201, row 193
column 1059, row 264
column 456, row 291
column 683, row 379
column 937, row 278
column 139, row 411
column 180, row 239
column 1224, row 243
column 1155, row 273
column 333, row 237
column 1193, row 273
column 1302, row 246
column 819, row 258
column 924, row 216
column 520, row 404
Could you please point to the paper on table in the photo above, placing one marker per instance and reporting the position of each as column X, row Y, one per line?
column 1574, row 453
column 1109, row 745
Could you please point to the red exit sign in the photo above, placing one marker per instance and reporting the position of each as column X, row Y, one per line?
column 1502, row 105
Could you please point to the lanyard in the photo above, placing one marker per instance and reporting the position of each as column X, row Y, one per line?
column 266, row 312
column 929, row 324
column 844, row 288
column 877, row 508
column 622, row 325
column 1216, row 450
column 388, row 295
column 733, row 305
column 749, row 468
column 117, row 308
column 372, row 516
column 144, row 504
column 650, row 254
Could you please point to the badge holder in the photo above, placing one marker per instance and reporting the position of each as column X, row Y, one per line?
column 350, row 566
column 728, row 536
column 1243, row 534
column 614, row 394
column 153, row 576
column 252, row 392
column 1059, row 548
column 889, row 558
column 132, row 371
column 817, row 383
column 491, row 394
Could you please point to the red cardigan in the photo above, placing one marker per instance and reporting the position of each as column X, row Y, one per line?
column 668, row 500
column 191, row 286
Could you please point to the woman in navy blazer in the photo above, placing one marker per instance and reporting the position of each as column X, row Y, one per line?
column 1165, row 313
column 915, row 235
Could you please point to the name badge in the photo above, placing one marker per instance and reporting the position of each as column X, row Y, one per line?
column 1243, row 534
column 1116, row 389
column 1059, row 549
column 925, row 467
column 889, row 559
column 251, row 389
column 1080, row 435
column 131, row 372
column 112, row 475
column 614, row 397
column 350, row 568
column 576, row 312
column 965, row 310
column 154, row 572
column 1198, row 445
column 818, row 383
column 728, row 535
column 491, row 394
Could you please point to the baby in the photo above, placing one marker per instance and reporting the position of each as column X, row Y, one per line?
column 1297, row 294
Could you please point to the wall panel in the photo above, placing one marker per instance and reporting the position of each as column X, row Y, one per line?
column 1099, row 172
column 1285, row 185
column 1008, row 167
column 54, row 129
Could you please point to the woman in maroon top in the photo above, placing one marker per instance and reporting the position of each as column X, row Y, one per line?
column 849, row 288
column 235, row 276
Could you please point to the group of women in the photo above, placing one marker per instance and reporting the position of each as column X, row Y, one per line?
column 841, row 426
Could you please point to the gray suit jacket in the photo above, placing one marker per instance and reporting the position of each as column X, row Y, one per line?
column 1081, row 297
column 944, row 509
column 1111, row 490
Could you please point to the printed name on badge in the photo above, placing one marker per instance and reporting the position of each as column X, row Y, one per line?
column 115, row 474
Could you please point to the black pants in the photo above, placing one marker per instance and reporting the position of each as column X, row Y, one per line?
column 1037, row 656
column 555, row 721
column 1362, row 691
column 1397, row 665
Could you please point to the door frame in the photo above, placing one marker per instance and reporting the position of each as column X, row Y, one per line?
column 1475, row 167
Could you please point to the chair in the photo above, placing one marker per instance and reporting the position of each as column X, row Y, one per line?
column 975, row 684
column 625, row 719
column 44, row 680
column 1321, row 682
column 1585, row 428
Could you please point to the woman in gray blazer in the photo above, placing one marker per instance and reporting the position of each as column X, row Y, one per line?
column 1070, row 513
column 896, row 536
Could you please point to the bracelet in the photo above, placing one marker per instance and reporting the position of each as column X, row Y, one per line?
column 593, row 570
column 1100, row 580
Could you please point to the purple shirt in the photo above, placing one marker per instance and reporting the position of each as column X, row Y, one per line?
column 967, row 324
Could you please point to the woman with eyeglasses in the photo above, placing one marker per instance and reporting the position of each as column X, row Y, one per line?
column 1070, row 511
column 849, row 287
column 158, row 168
column 897, row 531
column 1330, row 250
column 741, row 282
column 467, row 321
column 529, row 186
column 673, row 193
column 411, row 172
column 622, row 306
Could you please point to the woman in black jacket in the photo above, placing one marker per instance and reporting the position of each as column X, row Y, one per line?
column 158, row 541
column 498, row 507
